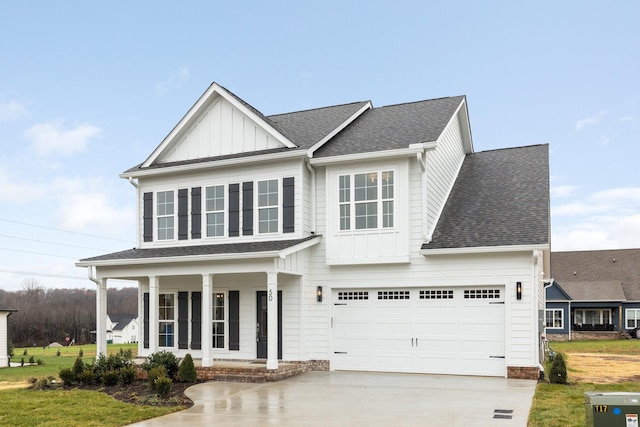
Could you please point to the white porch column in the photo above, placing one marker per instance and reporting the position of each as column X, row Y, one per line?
column 101, row 318
column 154, row 297
column 272, row 320
column 207, row 295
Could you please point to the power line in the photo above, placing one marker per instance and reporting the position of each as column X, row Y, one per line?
column 38, row 253
column 65, row 231
column 51, row 243
column 31, row 273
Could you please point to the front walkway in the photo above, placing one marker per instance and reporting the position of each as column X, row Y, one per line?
column 358, row 399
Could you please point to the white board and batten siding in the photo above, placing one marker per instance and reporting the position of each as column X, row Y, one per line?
column 221, row 129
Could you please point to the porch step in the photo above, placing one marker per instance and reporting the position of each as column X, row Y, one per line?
column 240, row 377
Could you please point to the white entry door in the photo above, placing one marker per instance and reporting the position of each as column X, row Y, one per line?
column 445, row 331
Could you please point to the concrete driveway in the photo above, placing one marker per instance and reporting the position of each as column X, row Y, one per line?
column 358, row 399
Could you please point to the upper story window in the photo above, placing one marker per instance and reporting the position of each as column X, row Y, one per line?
column 370, row 204
column 165, row 210
column 214, row 205
column 268, row 206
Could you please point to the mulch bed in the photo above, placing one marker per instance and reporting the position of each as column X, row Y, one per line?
column 140, row 393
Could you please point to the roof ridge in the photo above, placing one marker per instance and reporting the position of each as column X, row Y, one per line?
column 422, row 100
column 512, row 148
column 318, row 108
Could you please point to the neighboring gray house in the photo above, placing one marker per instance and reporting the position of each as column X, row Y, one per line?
column 371, row 239
column 4, row 336
column 594, row 294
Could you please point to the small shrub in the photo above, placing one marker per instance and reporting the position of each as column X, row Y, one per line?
column 78, row 366
column 39, row 362
column 558, row 371
column 162, row 386
column 68, row 376
column 10, row 349
column 86, row 377
column 32, row 359
column 187, row 371
column 162, row 358
column 22, row 361
column 127, row 375
column 58, row 353
column 81, row 353
column 25, row 353
column 155, row 373
column 110, row 377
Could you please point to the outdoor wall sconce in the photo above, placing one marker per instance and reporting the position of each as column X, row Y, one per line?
column 319, row 293
column 519, row 290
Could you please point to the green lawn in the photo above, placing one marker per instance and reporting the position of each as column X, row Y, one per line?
column 23, row 407
column 556, row 405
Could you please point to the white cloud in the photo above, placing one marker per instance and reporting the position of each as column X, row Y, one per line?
column 562, row 190
column 11, row 111
column 16, row 192
column 607, row 219
column 91, row 211
column 590, row 120
column 175, row 81
column 50, row 138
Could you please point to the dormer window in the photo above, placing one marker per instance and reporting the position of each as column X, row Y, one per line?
column 370, row 204
column 165, row 213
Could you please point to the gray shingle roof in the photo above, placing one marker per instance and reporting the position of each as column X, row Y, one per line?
column 180, row 251
column 594, row 291
column 600, row 269
column 500, row 198
column 394, row 126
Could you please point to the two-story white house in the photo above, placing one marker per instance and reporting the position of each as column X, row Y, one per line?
column 360, row 238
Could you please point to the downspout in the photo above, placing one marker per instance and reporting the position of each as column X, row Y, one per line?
column 312, row 171
column 544, row 291
column 423, row 167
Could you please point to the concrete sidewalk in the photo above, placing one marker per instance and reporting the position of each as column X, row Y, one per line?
column 358, row 399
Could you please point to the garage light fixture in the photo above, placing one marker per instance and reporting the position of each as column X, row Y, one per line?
column 319, row 293
column 519, row 290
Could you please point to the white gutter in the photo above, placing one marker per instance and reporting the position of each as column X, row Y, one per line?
column 91, row 276
column 312, row 171
column 483, row 249
column 400, row 152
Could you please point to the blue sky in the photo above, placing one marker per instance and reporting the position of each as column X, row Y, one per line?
column 89, row 89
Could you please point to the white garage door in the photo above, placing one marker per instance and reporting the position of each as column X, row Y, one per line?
column 442, row 331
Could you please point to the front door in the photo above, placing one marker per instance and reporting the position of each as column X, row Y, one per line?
column 262, row 327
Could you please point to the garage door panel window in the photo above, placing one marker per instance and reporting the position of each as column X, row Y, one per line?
column 482, row 293
column 353, row 295
column 633, row 317
column 437, row 294
column 393, row 295
column 554, row 318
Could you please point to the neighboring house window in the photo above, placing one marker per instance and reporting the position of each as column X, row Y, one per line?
column 633, row 317
column 218, row 320
column 165, row 214
column 268, row 206
column 553, row 319
column 214, row 206
column 593, row 317
column 167, row 316
column 370, row 205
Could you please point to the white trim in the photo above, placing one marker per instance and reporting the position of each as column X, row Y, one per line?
column 188, row 167
column 317, row 145
column 483, row 249
column 204, row 99
column 388, row 154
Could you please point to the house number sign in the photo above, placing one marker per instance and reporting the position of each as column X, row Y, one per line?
column 270, row 294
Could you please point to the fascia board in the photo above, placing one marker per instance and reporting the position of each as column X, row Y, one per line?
column 338, row 129
column 178, row 259
column 483, row 249
column 400, row 152
column 213, row 164
column 197, row 107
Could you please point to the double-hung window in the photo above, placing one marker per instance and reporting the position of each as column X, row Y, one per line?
column 214, row 205
column 366, row 200
column 165, row 214
column 633, row 317
column 268, row 206
column 553, row 318
column 218, row 316
column 166, row 316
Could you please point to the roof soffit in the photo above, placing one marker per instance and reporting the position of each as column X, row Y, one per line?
column 213, row 94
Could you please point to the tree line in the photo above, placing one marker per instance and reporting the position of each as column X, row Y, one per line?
column 48, row 315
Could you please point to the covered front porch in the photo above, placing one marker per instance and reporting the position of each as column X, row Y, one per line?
column 217, row 306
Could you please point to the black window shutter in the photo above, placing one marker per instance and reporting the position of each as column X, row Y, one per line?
column 196, row 320
column 145, row 319
column 247, row 208
column 234, row 210
column 183, row 214
column 234, row 320
column 147, row 214
column 183, row 319
column 196, row 213
column 288, row 208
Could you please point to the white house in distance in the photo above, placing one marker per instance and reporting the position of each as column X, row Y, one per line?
column 370, row 239
column 120, row 329
column 4, row 336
